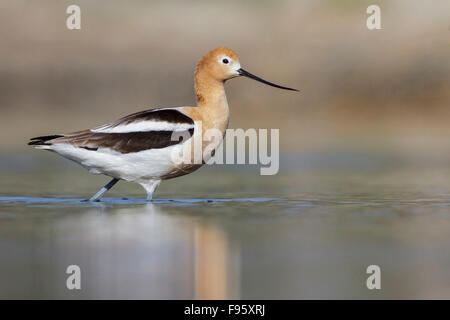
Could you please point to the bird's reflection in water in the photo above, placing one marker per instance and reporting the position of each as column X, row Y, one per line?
column 216, row 264
column 187, row 256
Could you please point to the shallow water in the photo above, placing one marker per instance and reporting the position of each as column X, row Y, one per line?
column 225, row 232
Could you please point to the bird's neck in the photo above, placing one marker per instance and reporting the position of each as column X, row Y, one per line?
column 212, row 101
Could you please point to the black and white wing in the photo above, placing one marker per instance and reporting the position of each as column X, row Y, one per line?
column 150, row 129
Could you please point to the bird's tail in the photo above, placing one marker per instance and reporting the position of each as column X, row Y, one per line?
column 43, row 142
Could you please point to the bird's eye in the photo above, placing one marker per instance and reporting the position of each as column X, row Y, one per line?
column 225, row 61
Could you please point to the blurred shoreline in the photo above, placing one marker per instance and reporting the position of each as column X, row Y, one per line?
column 384, row 90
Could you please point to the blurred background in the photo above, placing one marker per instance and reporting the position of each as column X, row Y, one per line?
column 383, row 89
column 365, row 150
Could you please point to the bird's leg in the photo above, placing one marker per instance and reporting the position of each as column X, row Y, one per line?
column 101, row 192
column 150, row 187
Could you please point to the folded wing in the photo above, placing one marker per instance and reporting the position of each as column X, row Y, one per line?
column 150, row 129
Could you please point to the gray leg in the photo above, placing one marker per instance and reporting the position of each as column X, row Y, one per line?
column 98, row 195
column 150, row 187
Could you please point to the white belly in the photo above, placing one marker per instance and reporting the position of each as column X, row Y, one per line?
column 135, row 167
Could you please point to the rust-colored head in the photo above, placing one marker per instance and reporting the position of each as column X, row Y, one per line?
column 221, row 64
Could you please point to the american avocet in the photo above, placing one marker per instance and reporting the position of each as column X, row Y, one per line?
column 139, row 147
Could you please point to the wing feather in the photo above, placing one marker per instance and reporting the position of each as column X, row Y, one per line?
column 150, row 120
column 150, row 129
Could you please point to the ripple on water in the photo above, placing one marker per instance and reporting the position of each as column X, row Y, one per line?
column 39, row 200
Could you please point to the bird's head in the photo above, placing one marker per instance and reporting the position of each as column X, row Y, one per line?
column 223, row 63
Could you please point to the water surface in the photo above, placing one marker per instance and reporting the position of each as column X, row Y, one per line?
column 225, row 232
